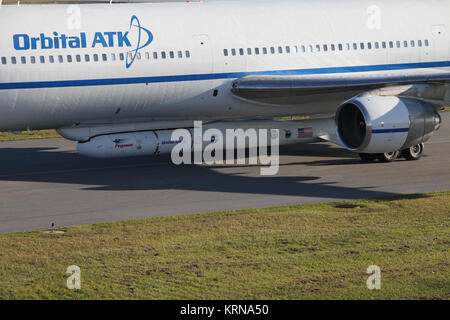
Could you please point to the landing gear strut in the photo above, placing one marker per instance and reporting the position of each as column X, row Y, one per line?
column 412, row 153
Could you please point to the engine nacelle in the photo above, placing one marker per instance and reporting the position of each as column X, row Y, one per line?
column 379, row 124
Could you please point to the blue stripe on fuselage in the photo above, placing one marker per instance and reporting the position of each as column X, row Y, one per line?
column 390, row 130
column 215, row 76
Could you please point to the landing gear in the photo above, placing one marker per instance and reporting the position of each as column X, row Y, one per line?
column 382, row 157
column 388, row 157
column 413, row 153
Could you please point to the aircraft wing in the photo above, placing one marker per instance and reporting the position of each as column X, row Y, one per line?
column 295, row 90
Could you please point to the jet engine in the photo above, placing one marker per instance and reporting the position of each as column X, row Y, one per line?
column 381, row 124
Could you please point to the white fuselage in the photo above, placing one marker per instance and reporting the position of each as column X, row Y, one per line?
column 206, row 47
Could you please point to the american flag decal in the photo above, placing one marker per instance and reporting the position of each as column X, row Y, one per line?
column 305, row 132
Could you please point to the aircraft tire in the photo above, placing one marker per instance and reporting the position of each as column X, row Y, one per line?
column 414, row 152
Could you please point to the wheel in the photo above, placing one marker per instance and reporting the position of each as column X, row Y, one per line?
column 367, row 157
column 413, row 153
column 388, row 156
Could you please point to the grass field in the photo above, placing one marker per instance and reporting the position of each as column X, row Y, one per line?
column 38, row 134
column 297, row 252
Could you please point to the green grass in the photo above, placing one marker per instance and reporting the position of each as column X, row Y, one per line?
column 296, row 252
column 38, row 134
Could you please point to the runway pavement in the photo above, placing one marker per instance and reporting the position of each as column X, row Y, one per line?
column 45, row 181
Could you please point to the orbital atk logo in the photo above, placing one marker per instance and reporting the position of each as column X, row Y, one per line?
column 135, row 39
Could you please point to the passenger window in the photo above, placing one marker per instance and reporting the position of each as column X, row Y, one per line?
column 233, row 52
column 13, row 60
column 272, row 50
column 317, row 47
column 303, row 48
column 33, row 59
column 96, row 57
column 355, row 46
column 384, row 45
column 427, row 43
column 280, row 50
column 51, row 59
column 333, row 47
column 249, row 51
column 340, row 46
column 86, row 58
column 295, row 49
column 405, row 44
column 265, row 50
column 104, row 57
column 347, row 45
column 113, row 57
column 147, row 55
column 399, row 44
column 413, row 44
column 419, row 43
column 188, row 54
column 241, row 51
column 288, row 49
column 138, row 56
column 377, row 45
column 69, row 58
column 42, row 59
column 362, row 45
column 180, row 54
column 171, row 54
column 369, row 45
column 391, row 44
column 163, row 54
column 60, row 59
column 23, row 60
column 257, row 51
column 3, row 60
column 225, row 52
column 310, row 48
column 155, row 55
column 325, row 47
column 78, row 58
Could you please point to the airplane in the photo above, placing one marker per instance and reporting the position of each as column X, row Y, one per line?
column 368, row 75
